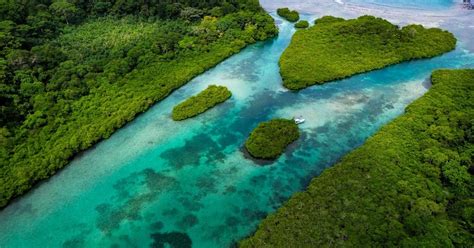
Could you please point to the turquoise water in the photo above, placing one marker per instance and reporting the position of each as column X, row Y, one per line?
column 419, row 4
column 189, row 183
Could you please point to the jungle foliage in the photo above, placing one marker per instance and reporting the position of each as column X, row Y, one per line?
column 410, row 185
column 302, row 24
column 201, row 102
column 270, row 139
column 73, row 71
column 335, row 48
column 289, row 15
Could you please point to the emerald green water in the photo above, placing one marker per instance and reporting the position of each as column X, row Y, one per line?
column 189, row 183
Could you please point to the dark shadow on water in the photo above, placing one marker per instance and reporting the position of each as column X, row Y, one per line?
column 258, row 181
column 190, row 205
column 207, row 184
column 73, row 243
column 197, row 147
column 173, row 239
column 127, row 204
column 257, row 161
column 157, row 225
column 188, row 221
column 170, row 212
column 230, row 190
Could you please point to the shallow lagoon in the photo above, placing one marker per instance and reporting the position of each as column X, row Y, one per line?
column 189, row 182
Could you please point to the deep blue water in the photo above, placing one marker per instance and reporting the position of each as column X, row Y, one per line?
column 157, row 180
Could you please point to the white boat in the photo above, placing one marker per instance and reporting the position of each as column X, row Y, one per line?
column 299, row 120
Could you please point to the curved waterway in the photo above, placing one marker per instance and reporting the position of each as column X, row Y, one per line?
column 157, row 181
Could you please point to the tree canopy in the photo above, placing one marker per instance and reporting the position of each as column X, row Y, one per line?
column 289, row 15
column 335, row 48
column 201, row 102
column 270, row 139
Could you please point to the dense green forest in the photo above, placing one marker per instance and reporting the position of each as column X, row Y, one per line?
column 410, row 185
column 302, row 24
column 270, row 139
column 289, row 15
column 335, row 48
column 201, row 102
column 73, row 71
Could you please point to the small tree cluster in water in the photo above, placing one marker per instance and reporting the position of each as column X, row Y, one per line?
column 269, row 139
column 289, row 15
column 203, row 101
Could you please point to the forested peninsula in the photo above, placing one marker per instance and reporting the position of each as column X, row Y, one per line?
column 335, row 48
column 410, row 185
column 72, row 72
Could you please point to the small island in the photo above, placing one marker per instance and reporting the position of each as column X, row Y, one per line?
column 201, row 102
column 302, row 24
column 335, row 48
column 269, row 139
column 289, row 15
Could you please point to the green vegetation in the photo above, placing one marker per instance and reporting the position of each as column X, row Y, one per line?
column 269, row 139
column 410, row 185
column 302, row 24
column 328, row 19
column 72, row 72
column 200, row 103
column 289, row 15
column 335, row 48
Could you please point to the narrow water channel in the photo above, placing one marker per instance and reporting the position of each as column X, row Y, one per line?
column 189, row 182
